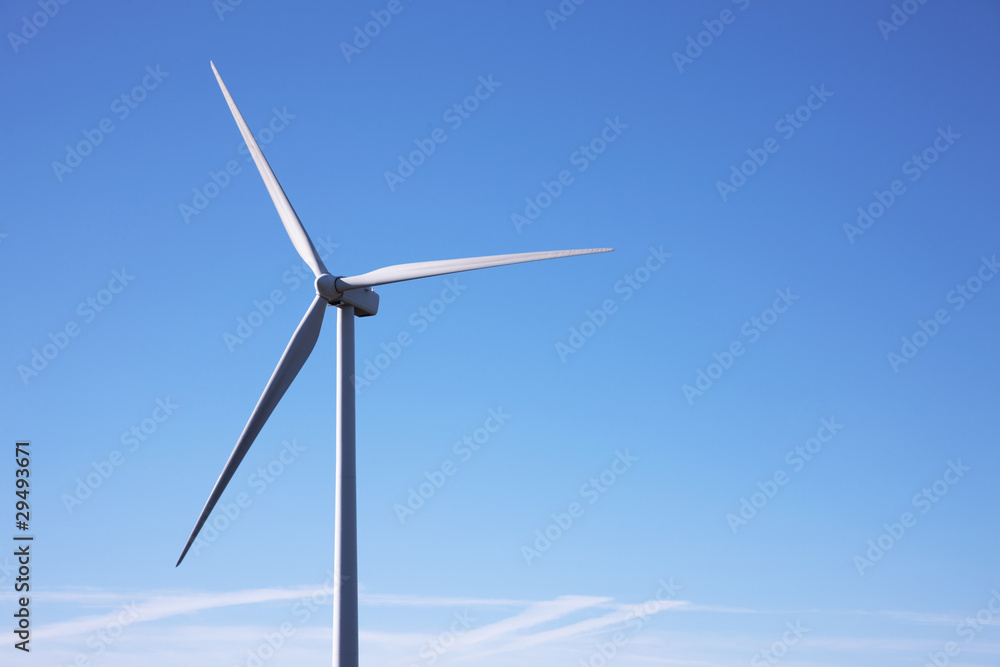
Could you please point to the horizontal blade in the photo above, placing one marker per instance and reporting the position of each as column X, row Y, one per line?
column 300, row 239
column 400, row 272
column 299, row 347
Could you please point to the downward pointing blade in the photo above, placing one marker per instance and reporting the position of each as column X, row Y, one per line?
column 295, row 355
column 300, row 239
column 401, row 272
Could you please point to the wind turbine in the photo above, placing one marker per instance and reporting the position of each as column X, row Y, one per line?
column 353, row 296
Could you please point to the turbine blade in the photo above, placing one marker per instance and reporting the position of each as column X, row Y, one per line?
column 295, row 355
column 401, row 272
column 300, row 239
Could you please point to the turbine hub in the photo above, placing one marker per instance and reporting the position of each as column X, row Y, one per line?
column 326, row 287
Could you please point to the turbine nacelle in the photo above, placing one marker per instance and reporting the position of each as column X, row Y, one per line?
column 364, row 299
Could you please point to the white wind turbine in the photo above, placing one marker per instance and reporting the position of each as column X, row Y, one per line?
column 353, row 296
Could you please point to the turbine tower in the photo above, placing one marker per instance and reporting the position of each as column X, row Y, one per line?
column 353, row 297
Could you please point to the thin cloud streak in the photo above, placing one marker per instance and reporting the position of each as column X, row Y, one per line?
column 164, row 606
column 539, row 624
column 589, row 626
column 388, row 600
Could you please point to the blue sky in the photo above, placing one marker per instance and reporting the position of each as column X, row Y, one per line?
column 758, row 432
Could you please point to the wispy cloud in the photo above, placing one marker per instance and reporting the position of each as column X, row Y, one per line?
column 615, row 619
column 529, row 632
column 155, row 607
column 386, row 600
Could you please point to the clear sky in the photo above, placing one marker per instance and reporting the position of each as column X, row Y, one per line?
column 759, row 432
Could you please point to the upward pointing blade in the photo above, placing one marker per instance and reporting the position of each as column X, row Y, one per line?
column 300, row 239
column 400, row 272
column 299, row 347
